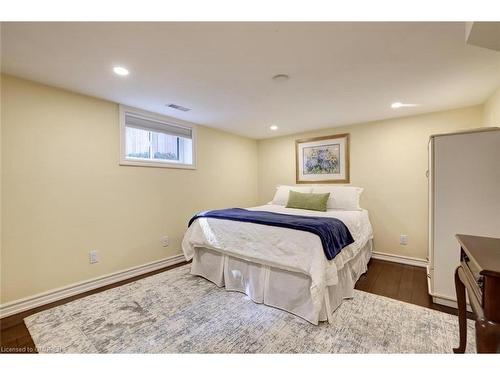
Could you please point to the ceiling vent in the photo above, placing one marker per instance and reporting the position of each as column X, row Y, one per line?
column 178, row 107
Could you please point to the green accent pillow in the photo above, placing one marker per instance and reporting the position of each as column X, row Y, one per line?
column 308, row 201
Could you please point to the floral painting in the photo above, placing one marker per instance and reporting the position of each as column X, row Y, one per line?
column 322, row 159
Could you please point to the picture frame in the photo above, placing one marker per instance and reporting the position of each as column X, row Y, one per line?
column 322, row 160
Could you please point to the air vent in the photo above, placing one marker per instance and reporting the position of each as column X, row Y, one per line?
column 178, row 107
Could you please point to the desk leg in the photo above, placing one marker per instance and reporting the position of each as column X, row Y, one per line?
column 462, row 312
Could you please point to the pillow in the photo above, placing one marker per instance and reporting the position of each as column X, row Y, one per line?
column 282, row 191
column 341, row 197
column 308, row 201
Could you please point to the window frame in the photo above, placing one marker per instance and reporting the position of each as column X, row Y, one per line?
column 123, row 160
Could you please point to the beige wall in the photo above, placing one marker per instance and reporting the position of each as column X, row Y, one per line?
column 64, row 193
column 389, row 160
column 491, row 113
column 1, row 226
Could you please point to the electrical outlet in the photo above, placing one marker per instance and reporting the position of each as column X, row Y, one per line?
column 403, row 239
column 93, row 256
column 164, row 241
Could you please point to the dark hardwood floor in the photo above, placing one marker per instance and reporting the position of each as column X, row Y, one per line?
column 400, row 282
column 393, row 280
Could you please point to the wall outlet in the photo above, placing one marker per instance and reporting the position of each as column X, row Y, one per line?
column 93, row 256
column 403, row 239
column 164, row 241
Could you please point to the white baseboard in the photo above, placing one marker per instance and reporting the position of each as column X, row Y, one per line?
column 448, row 301
column 20, row 305
column 444, row 301
column 400, row 259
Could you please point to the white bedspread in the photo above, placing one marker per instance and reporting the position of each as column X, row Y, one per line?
column 284, row 248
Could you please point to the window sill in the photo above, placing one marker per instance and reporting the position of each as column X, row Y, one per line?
column 132, row 163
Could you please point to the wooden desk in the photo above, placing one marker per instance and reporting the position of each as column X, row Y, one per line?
column 479, row 274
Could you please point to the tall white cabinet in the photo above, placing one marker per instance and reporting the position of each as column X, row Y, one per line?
column 464, row 197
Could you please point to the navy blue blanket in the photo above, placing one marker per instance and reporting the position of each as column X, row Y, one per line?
column 333, row 233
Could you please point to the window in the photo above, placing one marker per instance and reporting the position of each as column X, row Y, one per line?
column 153, row 140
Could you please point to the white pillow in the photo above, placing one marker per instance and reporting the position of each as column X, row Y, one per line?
column 341, row 197
column 282, row 192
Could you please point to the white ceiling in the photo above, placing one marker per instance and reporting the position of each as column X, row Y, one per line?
column 341, row 73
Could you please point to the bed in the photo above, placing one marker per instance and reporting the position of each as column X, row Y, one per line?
column 281, row 267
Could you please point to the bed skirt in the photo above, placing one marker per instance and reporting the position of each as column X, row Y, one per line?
column 283, row 289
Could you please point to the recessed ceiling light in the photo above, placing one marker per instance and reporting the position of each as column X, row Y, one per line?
column 281, row 77
column 121, row 71
column 397, row 105
column 273, row 127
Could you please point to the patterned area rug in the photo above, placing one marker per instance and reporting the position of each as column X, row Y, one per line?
column 175, row 312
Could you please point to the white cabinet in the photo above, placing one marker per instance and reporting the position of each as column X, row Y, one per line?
column 464, row 197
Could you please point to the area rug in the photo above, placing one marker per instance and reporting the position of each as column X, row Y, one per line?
column 175, row 312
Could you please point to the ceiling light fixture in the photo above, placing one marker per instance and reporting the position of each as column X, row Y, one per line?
column 273, row 127
column 121, row 71
column 281, row 77
column 397, row 105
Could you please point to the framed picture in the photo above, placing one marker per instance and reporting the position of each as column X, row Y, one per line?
column 322, row 159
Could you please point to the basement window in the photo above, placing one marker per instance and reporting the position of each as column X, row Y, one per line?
column 151, row 140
